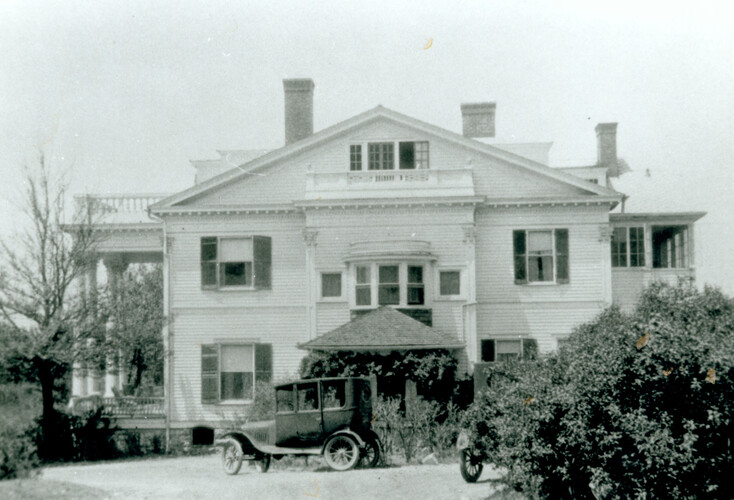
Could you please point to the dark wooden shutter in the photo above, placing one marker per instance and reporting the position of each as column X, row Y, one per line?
column 529, row 348
column 209, row 374
column 487, row 350
column 562, row 260
column 262, row 250
column 208, row 262
column 520, row 253
column 263, row 362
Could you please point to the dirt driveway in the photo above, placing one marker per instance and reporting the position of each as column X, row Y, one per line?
column 203, row 477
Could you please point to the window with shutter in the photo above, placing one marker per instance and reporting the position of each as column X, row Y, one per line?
column 236, row 262
column 262, row 256
column 263, row 362
column 541, row 256
column 210, row 374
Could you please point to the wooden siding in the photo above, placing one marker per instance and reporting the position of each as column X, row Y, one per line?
column 280, row 326
column 628, row 283
column 543, row 311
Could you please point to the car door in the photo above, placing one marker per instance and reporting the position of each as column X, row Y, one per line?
column 286, row 418
column 310, row 428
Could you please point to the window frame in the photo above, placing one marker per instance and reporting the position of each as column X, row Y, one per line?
column 331, row 298
column 219, row 372
column 525, row 343
column 460, row 295
column 402, row 284
column 421, row 155
column 628, row 247
column 555, row 253
column 254, row 264
column 262, row 369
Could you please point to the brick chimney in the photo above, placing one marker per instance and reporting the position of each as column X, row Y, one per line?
column 298, row 109
column 606, row 144
column 478, row 119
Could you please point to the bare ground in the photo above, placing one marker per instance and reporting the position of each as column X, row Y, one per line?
column 203, row 477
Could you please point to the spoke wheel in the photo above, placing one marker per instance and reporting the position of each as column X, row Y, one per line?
column 341, row 453
column 370, row 454
column 262, row 464
column 470, row 465
column 232, row 457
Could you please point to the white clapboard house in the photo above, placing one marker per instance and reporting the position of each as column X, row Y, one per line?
column 478, row 247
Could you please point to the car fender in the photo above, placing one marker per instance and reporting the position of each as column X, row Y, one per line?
column 346, row 432
column 248, row 447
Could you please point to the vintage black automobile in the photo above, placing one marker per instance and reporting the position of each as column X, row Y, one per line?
column 328, row 416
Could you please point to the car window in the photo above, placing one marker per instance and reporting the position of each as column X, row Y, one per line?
column 284, row 399
column 334, row 393
column 308, row 397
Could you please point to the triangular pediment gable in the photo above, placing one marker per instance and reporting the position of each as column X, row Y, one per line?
column 279, row 176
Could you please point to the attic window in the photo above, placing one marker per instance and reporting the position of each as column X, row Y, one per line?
column 413, row 155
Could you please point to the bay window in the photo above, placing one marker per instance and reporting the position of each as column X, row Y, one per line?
column 389, row 288
column 389, row 284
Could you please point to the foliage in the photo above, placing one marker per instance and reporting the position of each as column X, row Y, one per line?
column 19, row 405
column 423, row 424
column 39, row 265
column 434, row 371
column 636, row 406
column 135, row 308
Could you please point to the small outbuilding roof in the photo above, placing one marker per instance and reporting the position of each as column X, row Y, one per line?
column 380, row 330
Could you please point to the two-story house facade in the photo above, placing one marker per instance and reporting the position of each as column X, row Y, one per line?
column 485, row 244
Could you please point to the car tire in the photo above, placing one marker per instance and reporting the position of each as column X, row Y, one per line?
column 232, row 456
column 370, row 453
column 262, row 464
column 470, row 465
column 341, row 452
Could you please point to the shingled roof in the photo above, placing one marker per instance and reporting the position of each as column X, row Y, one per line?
column 382, row 329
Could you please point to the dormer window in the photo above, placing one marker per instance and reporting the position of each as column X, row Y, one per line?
column 407, row 155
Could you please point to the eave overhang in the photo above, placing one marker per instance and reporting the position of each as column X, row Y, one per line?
column 657, row 217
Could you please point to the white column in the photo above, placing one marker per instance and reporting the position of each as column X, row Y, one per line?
column 471, row 294
column 309, row 237
column 116, row 266
column 605, row 238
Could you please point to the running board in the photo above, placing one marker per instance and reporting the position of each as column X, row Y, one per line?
column 278, row 450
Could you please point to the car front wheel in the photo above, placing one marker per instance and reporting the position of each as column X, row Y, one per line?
column 232, row 457
column 341, row 452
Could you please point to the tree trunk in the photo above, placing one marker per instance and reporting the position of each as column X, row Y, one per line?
column 48, row 445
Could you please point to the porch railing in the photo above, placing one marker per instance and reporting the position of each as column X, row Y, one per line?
column 121, row 407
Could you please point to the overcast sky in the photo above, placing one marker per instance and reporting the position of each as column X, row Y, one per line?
column 125, row 93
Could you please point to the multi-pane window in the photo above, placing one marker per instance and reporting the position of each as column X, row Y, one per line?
column 669, row 246
column 389, row 285
column 355, row 157
column 508, row 349
column 381, row 155
column 413, row 155
column 628, row 247
column 235, row 262
column 331, row 285
column 541, row 256
column 450, row 283
column 416, row 288
column 364, row 286
column 229, row 371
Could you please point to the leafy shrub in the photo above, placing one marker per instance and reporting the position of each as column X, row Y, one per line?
column 636, row 406
column 17, row 454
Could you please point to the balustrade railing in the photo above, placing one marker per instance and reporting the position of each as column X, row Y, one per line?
column 107, row 203
column 120, row 407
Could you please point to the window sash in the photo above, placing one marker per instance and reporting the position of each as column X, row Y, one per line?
column 415, row 286
column 388, row 290
column 236, row 262
column 381, row 156
column 541, row 256
column 449, row 283
column 355, row 157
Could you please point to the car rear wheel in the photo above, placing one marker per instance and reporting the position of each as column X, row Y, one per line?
column 232, row 457
column 261, row 464
column 470, row 465
column 370, row 453
column 341, row 452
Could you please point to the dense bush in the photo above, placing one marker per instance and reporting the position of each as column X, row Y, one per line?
column 636, row 406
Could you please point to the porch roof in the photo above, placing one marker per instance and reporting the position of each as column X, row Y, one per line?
column 382, row 329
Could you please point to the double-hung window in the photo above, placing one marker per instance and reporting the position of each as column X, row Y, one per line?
column 389, row 288
column 416, row 288
column 243, row 262
column 509, row 349
column 331, row 285
column 541, row 256
column 363, row 286
column 395, row 284
column 229, row 371
column 628, row 247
